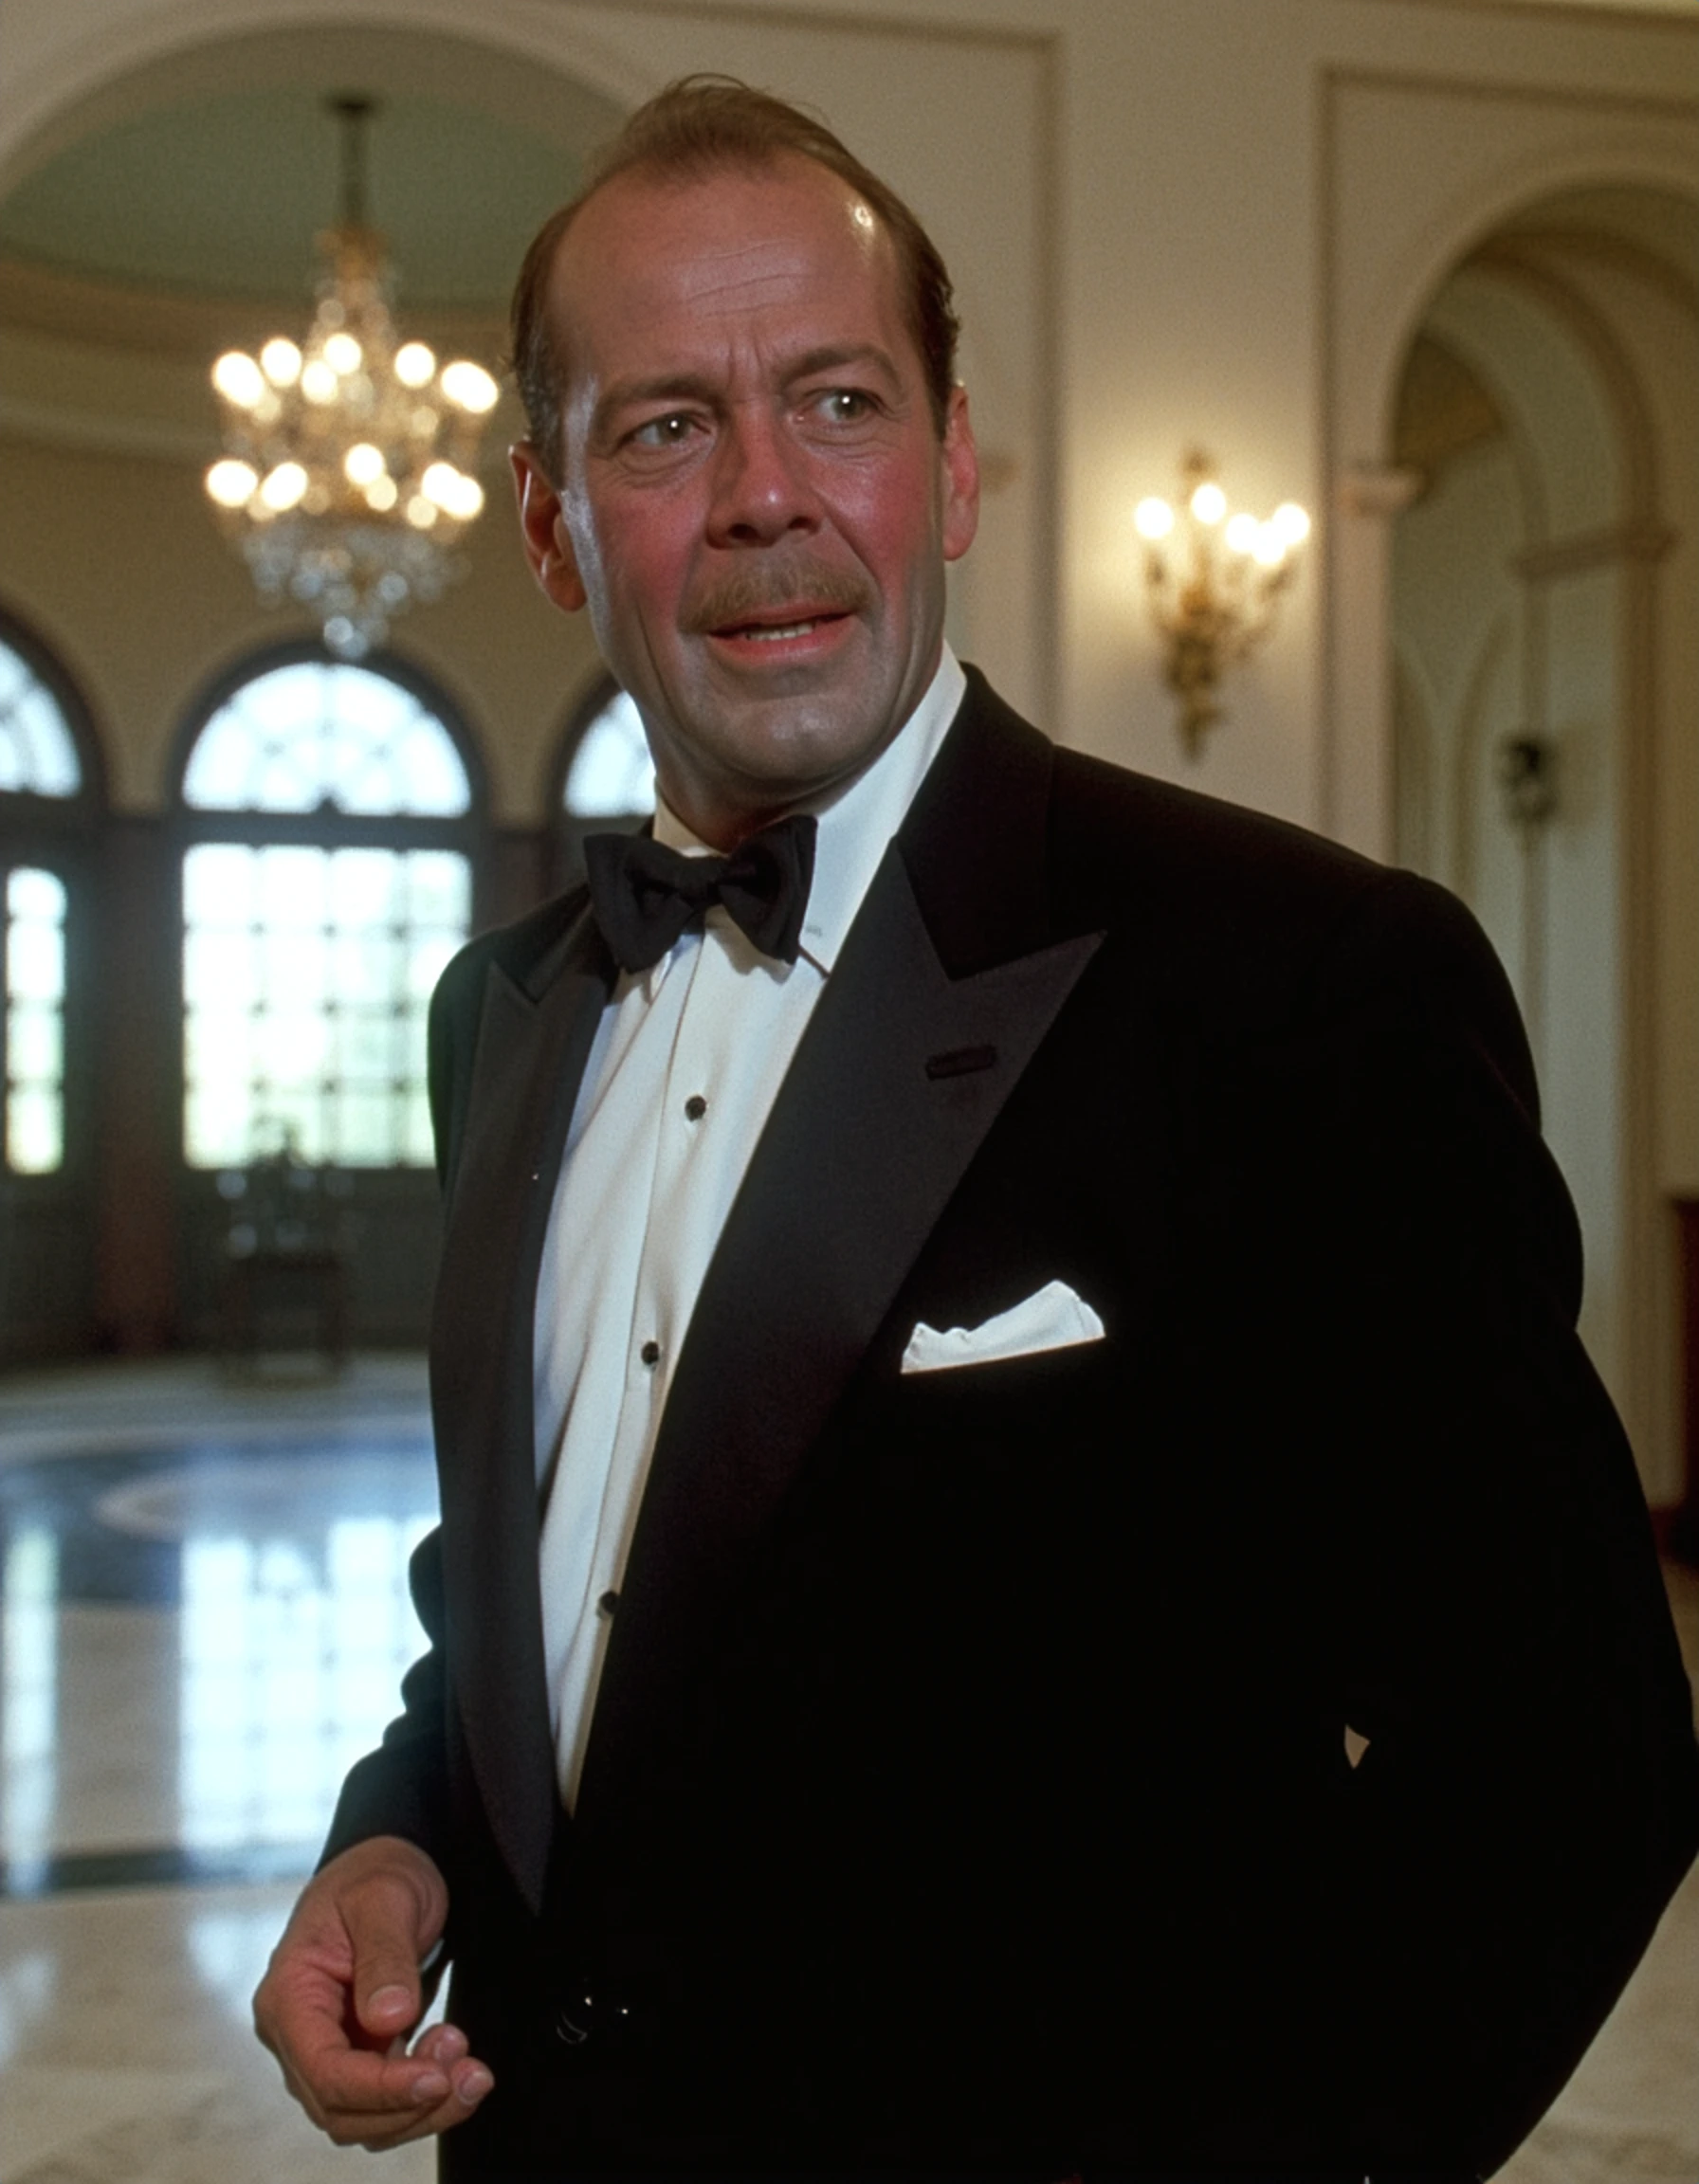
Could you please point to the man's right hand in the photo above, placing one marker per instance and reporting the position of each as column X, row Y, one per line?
column 343, row 1993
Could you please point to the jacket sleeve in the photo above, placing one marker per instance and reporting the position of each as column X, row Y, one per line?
column 1529, row 1796
column 402, row 1786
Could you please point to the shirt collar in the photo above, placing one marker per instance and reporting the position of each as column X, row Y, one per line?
column 857, row 819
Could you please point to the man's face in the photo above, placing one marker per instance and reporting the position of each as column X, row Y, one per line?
column 755, row 502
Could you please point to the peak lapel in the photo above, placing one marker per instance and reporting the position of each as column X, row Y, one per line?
column 910, row 1054
column 534, row 1038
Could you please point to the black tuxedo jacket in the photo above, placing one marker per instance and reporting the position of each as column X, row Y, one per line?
column 968, row 1793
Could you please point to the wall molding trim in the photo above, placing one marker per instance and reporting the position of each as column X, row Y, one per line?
column 1638, row 543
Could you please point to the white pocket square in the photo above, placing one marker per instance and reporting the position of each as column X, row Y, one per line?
column 1053, row 1318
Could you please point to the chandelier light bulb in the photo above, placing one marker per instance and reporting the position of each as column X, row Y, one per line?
column 231, row 483
column 382, row 495
column 1290, row 522
column 414, row 364
column 280, row 361
column 363, row 465
column 237, row 378
column 318, row 382
column 1154, row 519
column 453, row 492
column 342, row 354
column 282, row 487
column 440, row 482
column 1209, row 504
column 421, row 513
column 469, row 387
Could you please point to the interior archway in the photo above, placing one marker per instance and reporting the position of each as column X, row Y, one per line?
column 1541, row 581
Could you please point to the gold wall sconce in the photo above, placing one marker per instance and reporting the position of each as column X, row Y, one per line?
column 1214, row 579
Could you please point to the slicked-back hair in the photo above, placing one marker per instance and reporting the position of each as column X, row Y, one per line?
column 698, row 127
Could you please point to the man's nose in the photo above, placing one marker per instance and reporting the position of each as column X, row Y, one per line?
column 763, row 486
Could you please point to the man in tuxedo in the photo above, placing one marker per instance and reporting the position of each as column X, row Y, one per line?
column 1032, row 1580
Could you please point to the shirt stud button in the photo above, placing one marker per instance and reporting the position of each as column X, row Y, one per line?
column 695, row 1107
column 650, row 1353
column 608, row 1603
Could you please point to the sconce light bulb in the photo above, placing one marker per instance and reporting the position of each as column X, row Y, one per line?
column 1290, row 524
column 1153, row 519
column 1209, row 504
column 1270, row 547
column 1242, row 533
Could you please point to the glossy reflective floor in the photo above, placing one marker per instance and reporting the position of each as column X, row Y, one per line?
column 203, row 1615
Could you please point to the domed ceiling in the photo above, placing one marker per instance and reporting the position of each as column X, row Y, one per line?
column 222, row 197
column 176, row 217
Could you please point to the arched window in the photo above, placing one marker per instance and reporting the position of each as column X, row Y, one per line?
column 607, row 778
column 610, row 773
column 43, row 784
column 327, row 881
column 38, row 752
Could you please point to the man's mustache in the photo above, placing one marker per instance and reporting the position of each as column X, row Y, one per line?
column 754, row 594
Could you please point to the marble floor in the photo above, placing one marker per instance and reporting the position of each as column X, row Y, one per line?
column 203, row 1615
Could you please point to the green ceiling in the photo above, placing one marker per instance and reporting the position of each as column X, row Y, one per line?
column 222, row 196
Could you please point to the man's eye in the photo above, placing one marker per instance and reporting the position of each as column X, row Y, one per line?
column 670, row 431
column 845, row 406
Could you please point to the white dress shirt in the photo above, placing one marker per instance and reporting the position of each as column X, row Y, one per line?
column 687, row 1061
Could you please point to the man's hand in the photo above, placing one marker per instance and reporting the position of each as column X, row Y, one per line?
column 342, row 1992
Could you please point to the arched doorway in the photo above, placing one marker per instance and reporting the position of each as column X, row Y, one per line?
column 1545, row 704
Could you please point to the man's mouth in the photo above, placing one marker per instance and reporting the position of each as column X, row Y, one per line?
column 771, row 632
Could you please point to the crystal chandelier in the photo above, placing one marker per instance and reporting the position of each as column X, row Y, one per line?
column 347, row 476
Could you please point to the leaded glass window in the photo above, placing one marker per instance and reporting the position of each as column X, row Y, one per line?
column 38, row 752
column 35, row 907
column 308, row 961
column 611, row 775
column 309, row 735
column 306, row 975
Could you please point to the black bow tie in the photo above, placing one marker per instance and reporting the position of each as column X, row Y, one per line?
column 645, row 894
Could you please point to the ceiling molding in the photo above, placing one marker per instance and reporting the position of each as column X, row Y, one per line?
column 94, row 432
column 154, row 321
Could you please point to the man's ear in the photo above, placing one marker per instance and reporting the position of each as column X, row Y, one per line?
column 542, row 526
column 961, row 459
